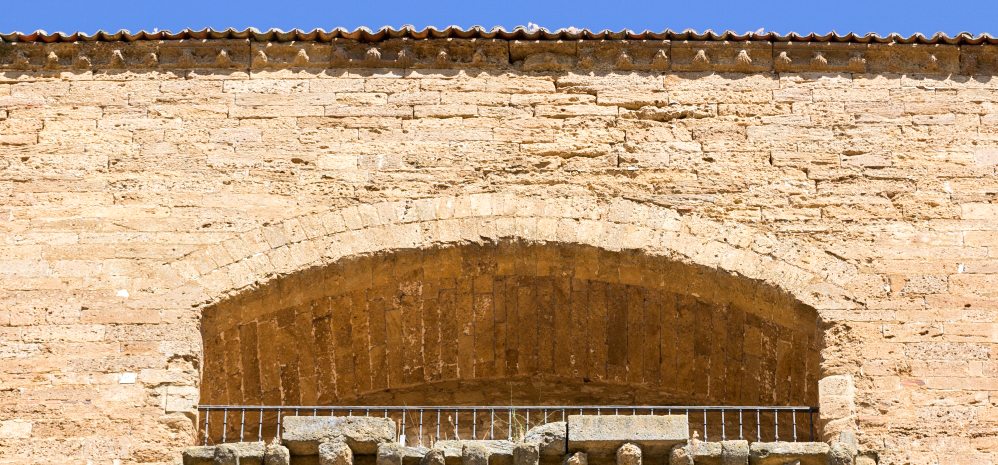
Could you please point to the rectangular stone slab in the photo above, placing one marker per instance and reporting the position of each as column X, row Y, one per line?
column 603, row 434
column 778, row 453
column 302, row 435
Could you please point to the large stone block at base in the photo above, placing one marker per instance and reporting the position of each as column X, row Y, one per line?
column 302, row 435
column 779, row 453
column 498, row 451
column 231, row 453
column 604, row 434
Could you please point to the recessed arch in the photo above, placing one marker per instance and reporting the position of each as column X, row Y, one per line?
column 511, row 322
column 260, row 259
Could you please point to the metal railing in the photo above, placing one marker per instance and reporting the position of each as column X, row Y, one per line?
column 424, row 425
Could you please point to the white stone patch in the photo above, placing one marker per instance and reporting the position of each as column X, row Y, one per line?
column 127, row 378
column 122, row 293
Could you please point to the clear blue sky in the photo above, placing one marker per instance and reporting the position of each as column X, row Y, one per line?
column 905, row 17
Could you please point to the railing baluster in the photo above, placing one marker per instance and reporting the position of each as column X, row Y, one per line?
column 438, row 426
column 758, row 427
column 402, row 433
column 724, row 437
column 794, row 412
column 492, row 424
column 509, row 424
column 207, row 416
column 242, row 423
column 279, row 424
column 259, row 430
column 704, row 424
column 421, row 427
column 225, row 422
column 776, row 422
column 740, row 424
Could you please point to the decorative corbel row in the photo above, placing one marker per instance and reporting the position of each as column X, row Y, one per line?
column 529, row 56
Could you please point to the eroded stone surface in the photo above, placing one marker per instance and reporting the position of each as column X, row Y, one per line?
column 302, row 435
column 779, row 453
column 604, row 434
column 335, row 453
column 526, row 454
column 629, row 454
column 549, row 438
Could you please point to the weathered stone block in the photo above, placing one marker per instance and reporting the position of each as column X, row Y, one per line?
column 734, row 452
column 629, row 454
column 500, row 452
column 549, row 438
column 526, row 454
column 779, row 453
column 302, row 435
column 198, row 455
column 603, row 434
column 389, row 453
column 276, row 454
column 474, row 454
column 239, row 453
column 335, row 453
column 435, row 456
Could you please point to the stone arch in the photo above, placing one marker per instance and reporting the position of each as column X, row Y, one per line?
column 274, row 263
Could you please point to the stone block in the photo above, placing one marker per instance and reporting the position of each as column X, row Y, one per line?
column 389, row 453
column 734, row 452
column 302, row 435
column 335, row 453
column 199, row 455
column 629, row 454
column 435, row 456
column 474, row 454
column 500, row 452
column 413, row 455
column 549, row 438
column 603, row 434
column 779, row 453
column 526, row 454
column 239, row 453
column 276, row 454
column 680, row 455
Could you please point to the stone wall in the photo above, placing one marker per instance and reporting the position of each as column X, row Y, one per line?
column 143, row 182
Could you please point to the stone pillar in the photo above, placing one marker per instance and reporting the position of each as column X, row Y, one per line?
column 276, row 454
column 837, row 403
column 389, row 453
column 335, row 453
column 629, row 454
column 474, row 454
column 434, row 457
column 734, row 452
column 578, row 458
column 526, row 454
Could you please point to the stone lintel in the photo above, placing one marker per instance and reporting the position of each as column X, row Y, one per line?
column 302, row 435
column 604, row 434
column 779, row 453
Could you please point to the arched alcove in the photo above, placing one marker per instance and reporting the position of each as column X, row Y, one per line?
column 510, row 322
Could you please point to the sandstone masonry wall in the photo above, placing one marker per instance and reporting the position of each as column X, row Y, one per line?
column 141, row 182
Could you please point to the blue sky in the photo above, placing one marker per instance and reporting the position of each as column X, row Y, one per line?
column 905, row 17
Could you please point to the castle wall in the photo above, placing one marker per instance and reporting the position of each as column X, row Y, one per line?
column 129, row 179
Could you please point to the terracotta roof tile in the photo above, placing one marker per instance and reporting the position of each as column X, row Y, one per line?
column 519, row 33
